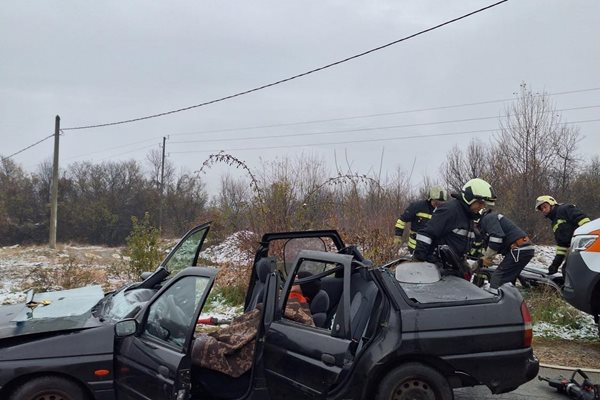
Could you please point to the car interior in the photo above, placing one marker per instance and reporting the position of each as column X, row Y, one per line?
column 325, row 307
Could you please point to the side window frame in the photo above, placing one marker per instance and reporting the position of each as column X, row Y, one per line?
column 200, row 297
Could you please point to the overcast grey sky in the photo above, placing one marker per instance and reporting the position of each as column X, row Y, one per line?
column 96, row 62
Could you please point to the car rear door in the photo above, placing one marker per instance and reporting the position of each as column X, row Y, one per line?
column 301, row 361
column 155, row 362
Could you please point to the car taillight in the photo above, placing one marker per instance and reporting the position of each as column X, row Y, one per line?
column 528, row 326
column 588, row 242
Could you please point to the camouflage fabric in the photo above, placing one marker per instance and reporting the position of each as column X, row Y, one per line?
column 299, row 312
column 231, row 349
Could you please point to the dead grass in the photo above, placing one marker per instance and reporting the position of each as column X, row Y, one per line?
column 567, row 353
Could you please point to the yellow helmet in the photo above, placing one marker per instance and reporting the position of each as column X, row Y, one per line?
column 544, row 199
column 478, row 189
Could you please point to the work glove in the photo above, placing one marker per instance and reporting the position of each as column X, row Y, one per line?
column 552, row 269
column 418, row 258
column 485, row 261
column 397, row 240
column 558, row 260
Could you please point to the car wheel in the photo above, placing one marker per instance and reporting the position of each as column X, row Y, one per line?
column 414, row 381
column 49, row 388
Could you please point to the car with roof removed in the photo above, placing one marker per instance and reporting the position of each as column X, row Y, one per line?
column 399, row 330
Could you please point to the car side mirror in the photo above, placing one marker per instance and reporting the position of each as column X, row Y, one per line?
column 126, row 327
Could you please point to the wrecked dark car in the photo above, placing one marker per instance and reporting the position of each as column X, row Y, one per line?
column 400, row 330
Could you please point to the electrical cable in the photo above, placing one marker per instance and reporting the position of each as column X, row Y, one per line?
column 289, row 78
column 363, row 140
column 363, row 129
column 378, row 114
column 28, row 147
column 112, row 148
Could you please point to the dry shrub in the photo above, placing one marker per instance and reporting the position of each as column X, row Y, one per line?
column 71, row 274
column 546, row 305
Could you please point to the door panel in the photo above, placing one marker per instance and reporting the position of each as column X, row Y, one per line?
column 302, row 361
column 305, row 357
column 155, row 362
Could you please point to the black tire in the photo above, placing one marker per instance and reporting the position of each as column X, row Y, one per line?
column 49, row 388
column 414, row 381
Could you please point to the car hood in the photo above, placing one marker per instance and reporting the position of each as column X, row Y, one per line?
column 51, row 311
column 588, row 228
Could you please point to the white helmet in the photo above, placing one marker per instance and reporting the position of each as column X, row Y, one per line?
column 478, row 189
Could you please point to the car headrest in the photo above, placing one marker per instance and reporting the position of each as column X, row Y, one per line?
column 264, row 267
column 319, row 303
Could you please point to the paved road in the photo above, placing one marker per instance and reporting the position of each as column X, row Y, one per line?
column 533, row 389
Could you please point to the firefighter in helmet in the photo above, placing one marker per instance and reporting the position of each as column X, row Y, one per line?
column 504, row 237
column 452, row 223
column 565, row 218
column 417, row 215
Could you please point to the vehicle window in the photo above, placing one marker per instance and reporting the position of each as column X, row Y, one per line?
column 185, row 254
column 172, row 315
column 308, row 302
column 286, row 251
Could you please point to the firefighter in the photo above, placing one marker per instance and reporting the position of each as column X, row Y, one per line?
column 452, row 222
column 565, row 218
column 505, row 238
column 417, row 215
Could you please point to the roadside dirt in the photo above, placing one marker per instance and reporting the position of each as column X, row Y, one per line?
column 567, row 353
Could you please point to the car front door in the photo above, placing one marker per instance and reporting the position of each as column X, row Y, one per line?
column 185, row 253
column 155, row 362
column 302, row 361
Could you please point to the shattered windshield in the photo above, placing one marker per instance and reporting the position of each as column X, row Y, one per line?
column 122, row 304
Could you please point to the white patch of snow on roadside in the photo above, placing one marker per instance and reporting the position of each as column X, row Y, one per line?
column 228, row 251
column 586, row 331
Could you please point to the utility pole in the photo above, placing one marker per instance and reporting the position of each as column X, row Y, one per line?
column 162, row 185
column 54, row 187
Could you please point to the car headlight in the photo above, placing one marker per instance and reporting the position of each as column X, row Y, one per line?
column 583, row 242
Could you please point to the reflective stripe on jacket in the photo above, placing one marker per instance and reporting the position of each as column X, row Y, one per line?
column 451, row 224
column 565, row 219
column 418, row 214
column 500, row 231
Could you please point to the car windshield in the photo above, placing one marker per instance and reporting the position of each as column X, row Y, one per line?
column 122, row 304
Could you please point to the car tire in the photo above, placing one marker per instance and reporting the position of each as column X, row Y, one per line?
column 414, row 381
column 49, row 387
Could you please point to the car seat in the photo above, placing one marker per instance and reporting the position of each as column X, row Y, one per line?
column 264, row 267
column 318, row 308
column 363, row 292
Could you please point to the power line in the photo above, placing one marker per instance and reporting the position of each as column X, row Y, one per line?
column 378, row 114
column 325, row 120
column 363, row 129
column 290, row 78
column 362, row 140
column 113, row 148
column 28, row 147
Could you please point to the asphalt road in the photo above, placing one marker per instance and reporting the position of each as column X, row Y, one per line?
column 534, row 389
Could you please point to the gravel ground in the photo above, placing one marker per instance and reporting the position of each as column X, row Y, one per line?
column 572, row 354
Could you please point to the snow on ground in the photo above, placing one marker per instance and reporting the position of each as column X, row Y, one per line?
column 228, row 252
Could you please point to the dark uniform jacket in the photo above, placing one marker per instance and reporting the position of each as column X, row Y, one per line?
column 451, row 224
column 565, row 219
column 501, row 232
column 418, row 214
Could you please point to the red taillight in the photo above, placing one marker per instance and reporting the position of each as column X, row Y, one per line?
column 528, row 326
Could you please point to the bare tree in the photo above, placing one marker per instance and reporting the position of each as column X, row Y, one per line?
column 461, row 166
column 533, row 144
column 154, row 161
